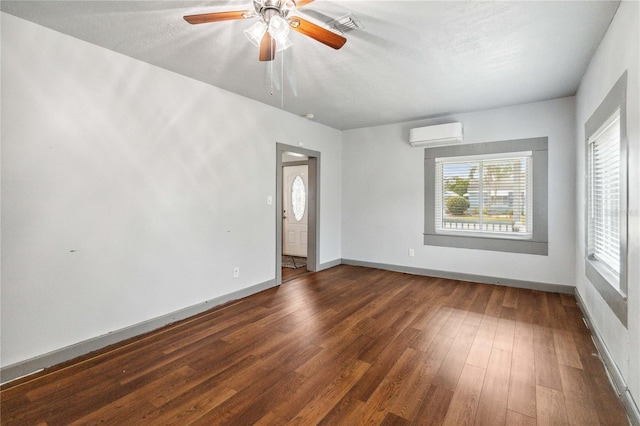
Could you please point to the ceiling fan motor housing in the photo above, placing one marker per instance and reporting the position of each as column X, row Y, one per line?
column 269, row 8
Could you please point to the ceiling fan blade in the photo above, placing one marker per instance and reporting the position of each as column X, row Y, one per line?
column 302, row 3
column 217, row 16
column 267, row 47
column 316, row 32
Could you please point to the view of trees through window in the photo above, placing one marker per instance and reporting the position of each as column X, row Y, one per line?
column 484, row 195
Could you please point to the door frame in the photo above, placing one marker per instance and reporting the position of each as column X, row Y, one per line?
column 313, row 203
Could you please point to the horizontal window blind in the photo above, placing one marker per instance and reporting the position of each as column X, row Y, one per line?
column 604, row 194
column 485, row 195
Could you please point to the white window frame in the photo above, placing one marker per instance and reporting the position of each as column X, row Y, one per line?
column 537, row 242
column 481, row 160
column 609, row 280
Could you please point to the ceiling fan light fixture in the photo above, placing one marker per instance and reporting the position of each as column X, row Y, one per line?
column 278, row 27
column 255, row 32
column 279, row 30
column 283, row 44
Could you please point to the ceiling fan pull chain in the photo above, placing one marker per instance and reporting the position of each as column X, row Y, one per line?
column 271, row 89
column 282, row 81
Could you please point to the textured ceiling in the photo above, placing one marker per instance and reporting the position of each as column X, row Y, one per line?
column 412, row 59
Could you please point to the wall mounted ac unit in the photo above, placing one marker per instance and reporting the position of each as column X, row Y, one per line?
column 439, row 135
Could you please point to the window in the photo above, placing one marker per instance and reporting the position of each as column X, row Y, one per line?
column 489, row 196
column 603, row 157
column 606, row 196
column 298, row 198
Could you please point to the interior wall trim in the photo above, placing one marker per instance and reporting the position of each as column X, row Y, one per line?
column 617, row 380
column 33, row 365
column 483, row 279
column 330, row 264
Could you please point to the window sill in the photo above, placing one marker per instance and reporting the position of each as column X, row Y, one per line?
column 485, row 242
column 606, row 274
column 607, row 284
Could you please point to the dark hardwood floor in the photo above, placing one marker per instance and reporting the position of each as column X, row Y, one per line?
column 345, row 346
column 289, row 273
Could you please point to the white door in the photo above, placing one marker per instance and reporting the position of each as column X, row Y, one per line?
column 295, row 197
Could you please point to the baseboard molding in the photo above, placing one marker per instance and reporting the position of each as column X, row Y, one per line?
column 618, row 382
column 30, row 366
column 330, row 264
column 531, row 285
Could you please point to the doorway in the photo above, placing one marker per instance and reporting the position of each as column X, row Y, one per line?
column 295, row 184
column 297, row 207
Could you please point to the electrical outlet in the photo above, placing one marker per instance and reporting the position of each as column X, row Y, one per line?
column 236, row 272
column 412, row 253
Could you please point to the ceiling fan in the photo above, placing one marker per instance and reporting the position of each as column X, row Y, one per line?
column 271, row 31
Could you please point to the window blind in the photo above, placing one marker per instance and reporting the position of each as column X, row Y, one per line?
column 604, row 192
column 485, row 195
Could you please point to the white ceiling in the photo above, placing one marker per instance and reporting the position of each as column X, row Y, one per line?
column 412, row 60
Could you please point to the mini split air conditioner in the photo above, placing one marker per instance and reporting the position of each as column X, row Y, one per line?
column 439, row 135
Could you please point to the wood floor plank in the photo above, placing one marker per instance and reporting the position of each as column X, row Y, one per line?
column 546, row 361
column 557, row 313
column 348, row 345
column 526, row 311
column 492, row 408
column 190, row 408
column 606, row 402
column 517, row 419
column 566, row 350
column 494, row 305
column 454, row 362
column 504, row 334
column 578, row 403
column 344, row 411
column 435, row 407
column 387, row 393
column 391, row 419
column 330, row 356
column 294, row 401
column 575, row 320
column 522, row 381
column 462, row 410
column 381, row 366
column 319, row 406
column 481, row 299
column 429, row 333
column 542, row 315
column 144, row 399
column 416, row 386
column 387, row 334
column 550, row 407
column 483, row 342
column 511, row 297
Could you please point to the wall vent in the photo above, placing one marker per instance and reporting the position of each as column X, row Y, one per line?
column 346, row 23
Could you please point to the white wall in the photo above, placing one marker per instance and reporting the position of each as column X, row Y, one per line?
column 123, row 198
column 383, row 195
column 618, row 51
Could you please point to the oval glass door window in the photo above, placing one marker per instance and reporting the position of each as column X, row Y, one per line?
column 298, row 198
